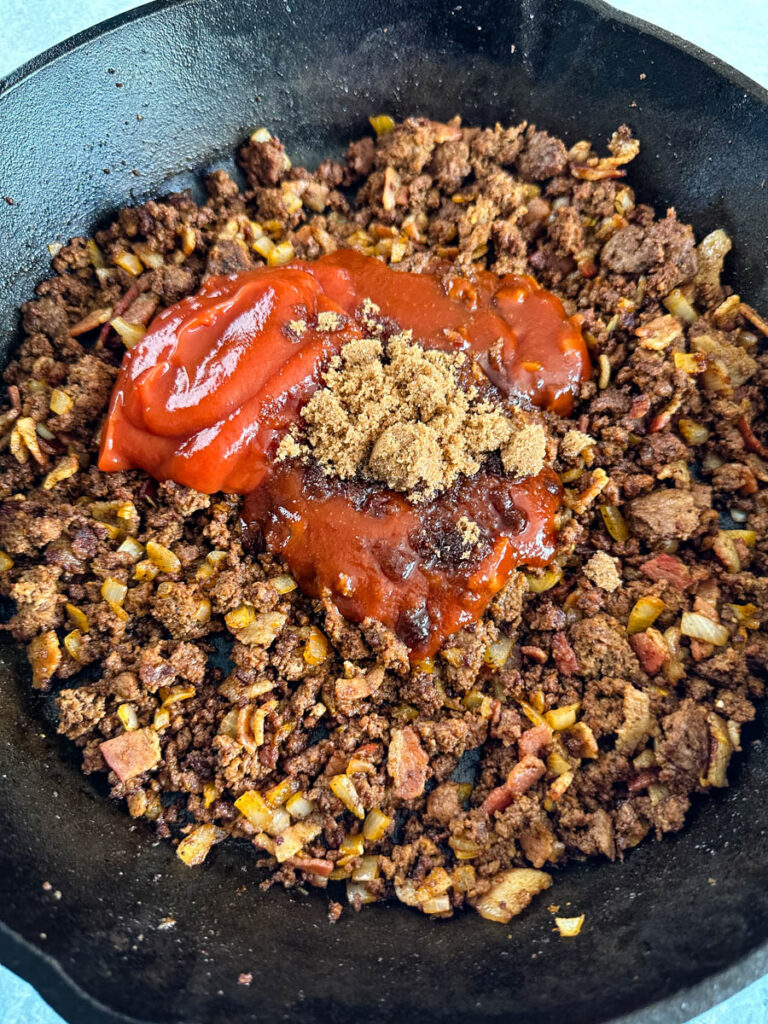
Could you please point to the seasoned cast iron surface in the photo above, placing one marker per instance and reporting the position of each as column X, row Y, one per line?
column 199, row 75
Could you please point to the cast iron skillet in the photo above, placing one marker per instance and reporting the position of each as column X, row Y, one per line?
column 169, row 89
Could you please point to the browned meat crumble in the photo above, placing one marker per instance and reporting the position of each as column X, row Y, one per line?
column 600, row 695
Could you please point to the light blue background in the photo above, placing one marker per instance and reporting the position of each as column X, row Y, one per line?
column 736, row 31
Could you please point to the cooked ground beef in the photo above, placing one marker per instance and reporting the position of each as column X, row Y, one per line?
column 589, row 714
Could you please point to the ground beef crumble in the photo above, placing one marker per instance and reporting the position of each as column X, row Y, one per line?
column 595, row 698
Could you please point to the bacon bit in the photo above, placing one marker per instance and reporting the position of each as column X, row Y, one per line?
column 754, row 318
column 750, row 441
column 534, row 653
column 639, row 407
column 668, row 568
column 643, row 780
column 664, row 417
column 15, row 397
column 497, row 799
column 650, row 649
column 407, row 763
column 91, row 321
column 596, row 173
column 313, row 865
column 132, row 753
column 141, row 309
column 534, row 740
column 120, row 307
column 525, row 774
column 563, row 653
column 359, row 687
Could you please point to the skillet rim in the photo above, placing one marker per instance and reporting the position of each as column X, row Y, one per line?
column 43, row 971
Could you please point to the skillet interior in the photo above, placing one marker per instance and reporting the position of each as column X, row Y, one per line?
column 200, row 74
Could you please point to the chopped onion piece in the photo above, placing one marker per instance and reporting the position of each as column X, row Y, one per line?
column 366, row 869
column 294, row 838
column 615, row 523
column 60, row 402
column 254, row 807
column 351, row 846
column 283, row 584
column 678, row 305
column 130, row 262
column 163, row 557
column 316, row 646
column 437, row 905
column 194, row 848
column 132, row 548
column 644, row 613
column 279, row 794
column 6, row 562
column 127, row 715
column 537, row 584
column 263, row 630
column 569, row 927
column 382, row 124
column 358, row 892
column 376, row 825
column 73, row 644
column 562, row 718
column 497, row 654
column 510, row 893
column 692, row 432
column 299, row 806
column 344, row 788
column 699, row 627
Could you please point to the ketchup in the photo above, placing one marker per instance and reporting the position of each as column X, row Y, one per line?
column 218, row 379
column 378, row 556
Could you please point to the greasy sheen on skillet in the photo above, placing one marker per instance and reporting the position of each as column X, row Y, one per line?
column 600, row 682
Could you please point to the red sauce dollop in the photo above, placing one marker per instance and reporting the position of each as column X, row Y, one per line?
column 378, row 556
column 218, row 378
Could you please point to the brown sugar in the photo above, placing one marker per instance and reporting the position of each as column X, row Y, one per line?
column 602, row 570
column 411, row 419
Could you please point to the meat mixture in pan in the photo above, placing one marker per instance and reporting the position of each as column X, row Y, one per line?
column 404, row 519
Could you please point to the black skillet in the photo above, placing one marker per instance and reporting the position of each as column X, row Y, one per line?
column 136, row 105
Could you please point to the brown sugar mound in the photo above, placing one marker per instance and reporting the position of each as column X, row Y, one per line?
column 411, row 419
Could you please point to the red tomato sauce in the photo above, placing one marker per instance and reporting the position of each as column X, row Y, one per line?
column 206, row 396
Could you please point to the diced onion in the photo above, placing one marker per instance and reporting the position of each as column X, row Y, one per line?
column 497, row 653
column 240, row 617
column 195, row 847
column 691, row 431
column 563, row 717
column 73, row 644
column 366, row 869
column 537, row 584
column 127, row 715
column 352, row 846
column 344, row 788
column 149, row 257
column 510, row 893
column 376, row 825
column 6, row 562
column 678, row 305
column 464, row 849
column 60, row 402
column 316, row 647
column 299, row 806
column 130, row 262
column 283, row 584
column 435, row 884
column 569, row 927
column 44, row 655
column 132, row 548
column 263, row 630
column 699, row 627
column 254, row 807
column 644, row 613
column 382, row 124
column 279, row 794
column 163, row 557
column 358, row 892
column 281, row 253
